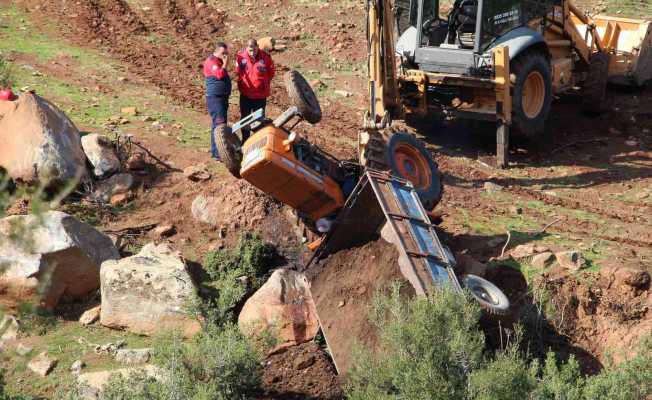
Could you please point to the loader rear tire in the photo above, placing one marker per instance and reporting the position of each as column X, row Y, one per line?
column 488, row 295
column 302, row 96
column 408, row 158
column 229, row 148
column 594, row 91
column 532, row 83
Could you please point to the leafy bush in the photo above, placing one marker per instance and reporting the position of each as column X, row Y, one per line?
column 233, row 274
column 432, row 348
column 219, row 364
column 4, row 395
column 6, row 74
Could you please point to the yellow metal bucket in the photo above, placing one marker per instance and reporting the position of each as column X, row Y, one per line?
column 629, row 42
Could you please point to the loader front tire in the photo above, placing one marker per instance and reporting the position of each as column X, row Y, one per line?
column 594, row 91
column 408, row 158
column 302, row 96
column 229, row 148
column 532, row 83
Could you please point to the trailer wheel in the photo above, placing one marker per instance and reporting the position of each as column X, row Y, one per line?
column 408, row 158
column 302, row 96
column 594, row 91
column 532, row 83
column 488, row 295
column 229, row 148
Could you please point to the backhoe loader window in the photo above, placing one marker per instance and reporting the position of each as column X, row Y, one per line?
column 500, row 17
column 406, row 15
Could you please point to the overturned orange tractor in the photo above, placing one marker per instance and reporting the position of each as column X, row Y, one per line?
column 281, row 163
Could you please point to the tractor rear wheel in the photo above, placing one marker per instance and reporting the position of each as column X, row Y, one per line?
column 594, row 91
column 229, row 148
column 408, row 158
column 302, row 96
column 532, row 83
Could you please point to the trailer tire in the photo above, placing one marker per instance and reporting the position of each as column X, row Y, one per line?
column 532, row 85
column 408, row 158
column 488, row 295
column 229, row 148
column 594, row 91
column 302, row 96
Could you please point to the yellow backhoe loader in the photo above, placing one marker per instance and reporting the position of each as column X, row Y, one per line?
column 493, row 60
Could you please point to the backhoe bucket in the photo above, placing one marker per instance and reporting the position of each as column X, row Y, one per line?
column 628, row 41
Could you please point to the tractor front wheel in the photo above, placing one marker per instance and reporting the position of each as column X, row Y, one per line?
column 531, row 80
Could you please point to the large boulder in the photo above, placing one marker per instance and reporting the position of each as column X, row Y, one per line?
column 283, row 307
column 56, row 256
column 148, row 293
column 101, row 153
column 39, row 142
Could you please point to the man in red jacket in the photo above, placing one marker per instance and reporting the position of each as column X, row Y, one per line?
column 255, row 70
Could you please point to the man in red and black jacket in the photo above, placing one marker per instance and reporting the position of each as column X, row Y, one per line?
column 218, row 89
column 255, row 70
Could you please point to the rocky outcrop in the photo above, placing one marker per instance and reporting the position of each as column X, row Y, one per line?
column 91, row 384
column 42, row 364
column 283, row 307
column 100, row 152
column 56, row 256
column 148, row 292
column 39, row 142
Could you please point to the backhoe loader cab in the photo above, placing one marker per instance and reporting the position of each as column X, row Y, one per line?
column 459, row 41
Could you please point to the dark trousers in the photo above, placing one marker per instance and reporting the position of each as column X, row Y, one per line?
column 248, row 106
column 218, row 107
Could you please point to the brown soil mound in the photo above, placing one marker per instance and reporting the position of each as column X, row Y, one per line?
column 301, row 372
column 605, row 314
column 343, row 286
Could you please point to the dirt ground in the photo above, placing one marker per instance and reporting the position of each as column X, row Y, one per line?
column 591, row 187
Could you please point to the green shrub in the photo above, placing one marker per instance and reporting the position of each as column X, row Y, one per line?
column 233, row 274
column 432, row 348
column 218, row 364
column 428, row 348
column 6, row 74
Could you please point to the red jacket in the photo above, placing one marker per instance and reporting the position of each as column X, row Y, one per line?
column 254, row 76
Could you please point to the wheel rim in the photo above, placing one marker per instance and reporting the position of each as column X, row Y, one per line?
column 484, row 294
column 413, row 166
column 534, row 91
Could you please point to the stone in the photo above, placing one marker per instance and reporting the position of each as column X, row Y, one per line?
column 197, row 173
column 206, row 209
column 157, row 280
column 284, row 306
column 23, row 350
column 101, row 154
column 133, row 356
column 515, row 210
column 317, row 84
column 121, row 199
column 115, row 185
column 343, row 93
column 77, row 367
column 491, row 187
column 523, row 251
column 42, row 364
column 10, row 328
column 91, row 384
column 266, row 43
column 626, row 276
column 543, row 260
column 133, row 111
column 304, row 361
column 166, row 230
column 63, row 256
column 572, row 260
column 90, row 316
column 38, row 142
